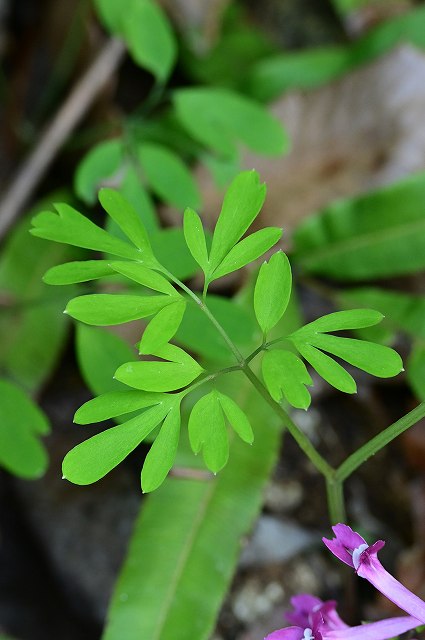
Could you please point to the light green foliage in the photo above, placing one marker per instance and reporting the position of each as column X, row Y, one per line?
column 76, row 272
column 169, row 247
column 115, row 403
column 162, row 453
column 71, row 227
column 328, row 368
column 218, row 118
column 179, row 370
column 236, row 417
column 94, row 458
column 162, row 327
column 285, row 376
column 168, row 176
column 248, row 250
column 208, row 433
column 102, row 162
column 346, row 242
column 105, row 309
column 124, row 215
column 272, row 291
column 195, row 238
column 146, row 277
column 21, row 426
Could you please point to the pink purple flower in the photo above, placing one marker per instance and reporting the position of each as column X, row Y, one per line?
column 352, row 549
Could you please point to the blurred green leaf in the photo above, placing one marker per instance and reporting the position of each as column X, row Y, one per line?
column 416, row 370
column 104, row 309
column 33, row 328
column 162, row 328
column 306, row 69
column 285, row 377
column 180, row 371
column 220, row 118
column 92, row 459
column 241, row 205
column 102, row 162
column 71, row 227
column 208, row 433
column 373, row 236
column 162, row 453
column 149, row 37
column 402, row 311
column 21, row 425
column 272, row 291
column 99, row 354
column 134, row 191
column 197, row 334
column 195, row 238
column 168, row 176
column 248, row 250
column 170, row 249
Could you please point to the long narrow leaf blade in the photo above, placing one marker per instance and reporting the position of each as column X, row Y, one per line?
column 104, row 309
column 248, row 250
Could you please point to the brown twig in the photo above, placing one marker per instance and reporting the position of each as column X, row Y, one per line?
column 53, row 137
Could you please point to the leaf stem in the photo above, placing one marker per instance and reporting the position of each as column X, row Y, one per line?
column 336, row 505
column 377, row 443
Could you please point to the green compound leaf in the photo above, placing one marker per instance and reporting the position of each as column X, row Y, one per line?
column 124, row 215
column 142, row 275
column 71, row 227
column 162, row 453
column 168, row 176
column 195, row 238
column 102, row 162
column 220, row 118
column 241, row 205
column 328, row 369
column 21, row 425
column 375, row 359
column 99, row 353
column 180, row 371
column 236, row 417
column 272, row 291
column 91, row 460
column 115, row 403
column 207, row 432
column 135, row 193
column 149, row 38
column 81, row 271
column 347, row 242
column 285, row 376
column 248, row 250
column 104, row 309
column 162, row 327
column 341, row 320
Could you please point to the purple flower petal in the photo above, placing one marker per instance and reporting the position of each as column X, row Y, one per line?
column 289, row 633
column 381, row 630
column 347, row 537
column 303, row 604
column 374, row 572
column 339, row 551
